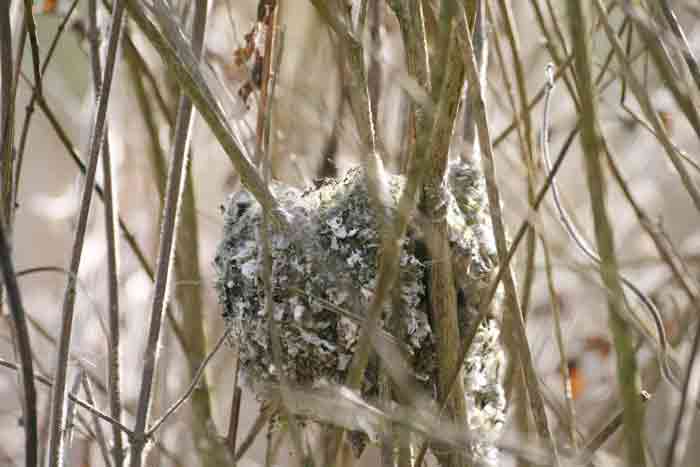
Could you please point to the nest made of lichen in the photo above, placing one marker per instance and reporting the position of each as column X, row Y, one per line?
column 324, row 277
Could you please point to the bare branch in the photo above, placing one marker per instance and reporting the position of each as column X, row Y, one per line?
column 111, row 215
column 14, row 300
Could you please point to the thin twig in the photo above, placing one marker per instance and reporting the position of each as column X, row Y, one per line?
column 686, row 413
column 70, row 415
column 268, row 409
column 95, row 145
column 687, row 51
column 674, row 79
column 7, row 118
column 234, row 415
column 361, row 105
column 156, row 155
column 647, row 107
column 556, row 312
column 193, row 385
column 35, row 94
column 591, row 254
column 7, row 269
column 643, row 123
column 531, row 105
column 272, row 55
column 168, row 237
column 560, row 71
column 187, row 265
column 527, row 151
column 663, row 245
column 597, row 440
column 132, row 52
column 13, row 98
column 554, row 52
column 99, row 433
column 411, row 19
column 30, row 24
column 112, row 249
column 24, row 348
column 513, row 305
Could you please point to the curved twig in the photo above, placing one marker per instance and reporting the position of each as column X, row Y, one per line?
column 589, row 252
column 193, row 385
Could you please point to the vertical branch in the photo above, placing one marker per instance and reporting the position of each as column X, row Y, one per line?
column 374, row 73
column 177, row 176
column 522, row 410
column 520, row 337
column 7, row 117
column 271, row 62
column 193, row 324
column 686, row 410
column 554, row 301
column 412, row 23
column 14, row 300
column 527, row 151
column 234, row 415
column 95, row 144
column 561, row 346
column 364, row 112
column 481, row 50
column 680, row 272
column 211, row 453
column 590, row 141
column 388, row 268
column 139, row 74
column 267, row 13
column 112, row 248
column 443, row 295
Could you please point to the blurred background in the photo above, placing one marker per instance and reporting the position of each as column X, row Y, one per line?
column 315, row 137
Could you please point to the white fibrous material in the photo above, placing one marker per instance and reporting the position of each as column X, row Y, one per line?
column 483, row 389
column 323, row 281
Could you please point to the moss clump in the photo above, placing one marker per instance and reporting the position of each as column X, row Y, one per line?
column 324, row 277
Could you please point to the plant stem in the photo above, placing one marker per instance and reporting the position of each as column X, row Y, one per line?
column 95, row 145
column 111, row 215
column 590, row 142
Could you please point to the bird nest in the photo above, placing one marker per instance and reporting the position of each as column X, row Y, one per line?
column 324, row 274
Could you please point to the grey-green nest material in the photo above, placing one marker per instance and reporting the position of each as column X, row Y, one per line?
column 324, row 277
